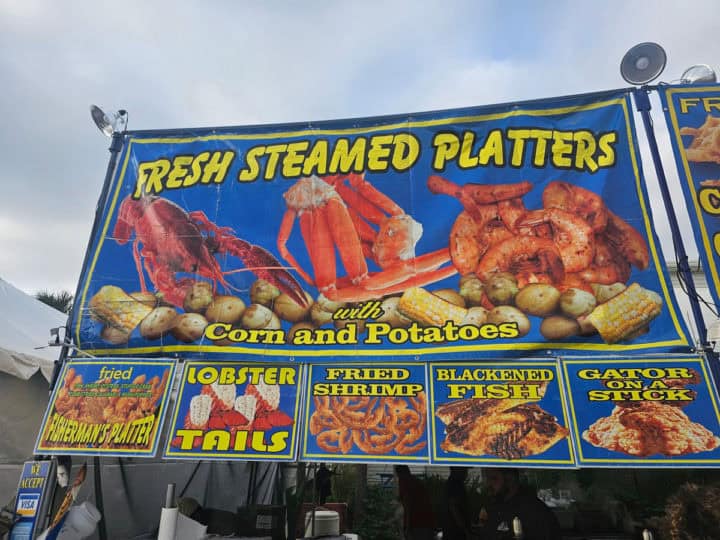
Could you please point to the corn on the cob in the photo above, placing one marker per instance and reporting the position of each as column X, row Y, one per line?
column 112, row 306
column 626, row 314
column 426, row 308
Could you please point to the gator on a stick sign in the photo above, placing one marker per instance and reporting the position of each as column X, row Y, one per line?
column 649, row 412
column 446, row 235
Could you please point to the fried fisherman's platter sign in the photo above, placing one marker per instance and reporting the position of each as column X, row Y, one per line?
column 487, row 231
column 110, row 407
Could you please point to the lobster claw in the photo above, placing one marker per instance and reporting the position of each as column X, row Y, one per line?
column 264, row 265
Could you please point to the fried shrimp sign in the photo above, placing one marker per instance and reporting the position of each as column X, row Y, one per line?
column 359, row 413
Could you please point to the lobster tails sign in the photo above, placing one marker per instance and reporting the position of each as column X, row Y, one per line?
column 448, row 235
column 233, row 410
column 693, row 117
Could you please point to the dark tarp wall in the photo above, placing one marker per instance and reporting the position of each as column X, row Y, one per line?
column 22, row 405
column 134, row 489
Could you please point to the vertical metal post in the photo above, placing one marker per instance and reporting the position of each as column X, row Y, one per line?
column 642, row 102
column 97, row 482
column 116, row 144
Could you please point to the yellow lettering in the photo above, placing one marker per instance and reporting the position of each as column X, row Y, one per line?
column 562, row 149
column 606, row 144
column 709, row 199
column 346, row 158
column 252, row 170
column 584, row 151
column 518, row 136
column 447, row 147
column 493, row 149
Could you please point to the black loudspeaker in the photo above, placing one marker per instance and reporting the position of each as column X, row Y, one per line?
column 643, row 63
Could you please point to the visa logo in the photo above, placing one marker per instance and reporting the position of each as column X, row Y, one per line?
column 27, row 504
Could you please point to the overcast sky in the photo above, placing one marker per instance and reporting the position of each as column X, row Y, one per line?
column 182, row 64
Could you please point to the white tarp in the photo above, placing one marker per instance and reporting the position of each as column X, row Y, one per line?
column 25, row 323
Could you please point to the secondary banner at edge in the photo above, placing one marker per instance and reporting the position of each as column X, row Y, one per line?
column 692, row 114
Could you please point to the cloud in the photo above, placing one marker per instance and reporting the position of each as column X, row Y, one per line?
column 229, row 63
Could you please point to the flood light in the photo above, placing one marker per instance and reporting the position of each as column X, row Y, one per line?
column 643, row 63
column 109, row 123
column 699, row 73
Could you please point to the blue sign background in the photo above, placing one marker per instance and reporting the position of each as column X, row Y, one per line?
column 289, row 404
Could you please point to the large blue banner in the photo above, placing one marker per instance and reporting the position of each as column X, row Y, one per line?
column 693, row 117
column 650, row 412
column 453, row 234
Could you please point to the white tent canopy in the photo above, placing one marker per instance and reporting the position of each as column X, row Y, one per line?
column 25, row 324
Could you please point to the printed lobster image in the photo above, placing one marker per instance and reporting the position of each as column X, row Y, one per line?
column 348, row 214
column 168, row 240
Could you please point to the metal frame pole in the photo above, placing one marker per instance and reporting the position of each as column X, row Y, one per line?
column 116, row 144
column 97, row 484
column 642, row 103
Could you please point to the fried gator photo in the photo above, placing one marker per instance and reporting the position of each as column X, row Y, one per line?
column 506, row 428
column 646, row 428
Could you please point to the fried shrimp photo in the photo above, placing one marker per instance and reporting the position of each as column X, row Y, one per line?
column 375, row 426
